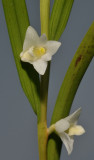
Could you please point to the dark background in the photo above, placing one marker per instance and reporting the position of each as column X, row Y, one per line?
column 18, row 124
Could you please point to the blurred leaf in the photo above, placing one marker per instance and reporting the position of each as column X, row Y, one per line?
column 59, row 17
column 17, row 23
column 74, row 75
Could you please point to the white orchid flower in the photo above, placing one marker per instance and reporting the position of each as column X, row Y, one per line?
column 37, row 50
column 66, row 128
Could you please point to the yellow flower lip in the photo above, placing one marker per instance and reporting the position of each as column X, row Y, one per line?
column 76, row 130
column 39, row 51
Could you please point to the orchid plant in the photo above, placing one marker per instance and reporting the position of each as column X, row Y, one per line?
column 37, row 51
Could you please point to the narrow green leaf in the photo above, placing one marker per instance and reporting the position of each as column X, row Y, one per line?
column 63, row 18
column 17, row 23
column 59, row 17
column 22, row 16
column 76, row 70
column 55, row 16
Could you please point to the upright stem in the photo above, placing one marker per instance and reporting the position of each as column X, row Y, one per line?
column 44, row 15
column 42, row 124
column 44, row 94
column 42, row 120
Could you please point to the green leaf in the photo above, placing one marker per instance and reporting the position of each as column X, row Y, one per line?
column 74, row 75
column 59, row 17
column 17, row 23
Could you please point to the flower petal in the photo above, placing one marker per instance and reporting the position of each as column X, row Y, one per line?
column 26, row 57
column 73, row 118
column 76, row 130
column 52, row 46
column 61, row 126
column 31, row 38
column 40, row 66
column 42, row 39
column 68, row 141
column 21, row 54
column 46, row 57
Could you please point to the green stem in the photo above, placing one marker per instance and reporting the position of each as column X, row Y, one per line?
column 42, row 140
column 44, row 15
column 42, row 124
column 44, row 94
column 42, row 119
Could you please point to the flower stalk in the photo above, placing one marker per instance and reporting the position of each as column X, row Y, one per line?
column 51, row 129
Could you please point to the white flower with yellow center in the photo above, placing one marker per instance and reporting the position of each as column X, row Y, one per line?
column 37, row 50
column 66, row 128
